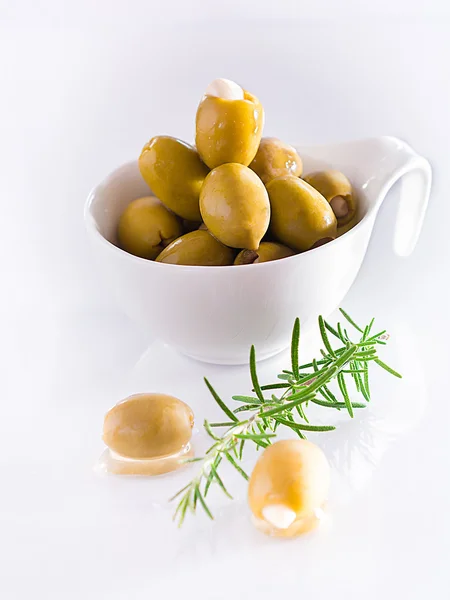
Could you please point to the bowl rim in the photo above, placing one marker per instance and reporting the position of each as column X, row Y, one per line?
column 91, row 226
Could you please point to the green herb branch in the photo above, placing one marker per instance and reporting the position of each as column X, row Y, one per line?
column 295, row 389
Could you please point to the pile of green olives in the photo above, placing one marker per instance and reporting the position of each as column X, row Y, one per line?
column 236, row 198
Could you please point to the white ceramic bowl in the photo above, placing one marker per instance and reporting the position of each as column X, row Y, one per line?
column 215, row 313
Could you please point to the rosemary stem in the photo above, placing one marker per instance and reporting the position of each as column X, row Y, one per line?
column 299, row 386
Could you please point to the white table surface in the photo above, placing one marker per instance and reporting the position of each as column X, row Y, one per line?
column 82, row 89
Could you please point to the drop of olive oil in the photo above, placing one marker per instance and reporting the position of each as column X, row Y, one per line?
column 113, row 463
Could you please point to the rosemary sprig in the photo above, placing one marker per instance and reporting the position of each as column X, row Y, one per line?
column 298, row 387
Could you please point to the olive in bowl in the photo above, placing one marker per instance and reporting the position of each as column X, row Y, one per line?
column 274, row 159
column 198, row 248
column 301, row 216
column 146, row 227
column 266, row 252
column 229, row 125
column 175, row 173
column 337, row 190
column 235, row 206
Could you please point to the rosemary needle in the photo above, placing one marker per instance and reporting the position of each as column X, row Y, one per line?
column 298, row 387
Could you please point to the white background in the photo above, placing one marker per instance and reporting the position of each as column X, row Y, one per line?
column 82, row 87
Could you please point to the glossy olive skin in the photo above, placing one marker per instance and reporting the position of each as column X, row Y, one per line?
column 274, row 159
column 235, row 206
column 334, row 185
column 294, row 474
column 266, row 252
column 148, row 426
column 197, row 248
column 175, row 173
column 301, row 217
column 228, row 131
column 146, row 227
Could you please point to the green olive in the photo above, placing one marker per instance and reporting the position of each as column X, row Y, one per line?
column 288, row 488
column 275, row 158
column 266, row 252
column 337, row 189
column 301, row 217
column 228, row 131
column 197, row 248
column 148, row 426
column 175, row 174
column 146, row 227
column 235, row 206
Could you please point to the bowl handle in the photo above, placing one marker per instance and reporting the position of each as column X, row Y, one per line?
column 415, row 174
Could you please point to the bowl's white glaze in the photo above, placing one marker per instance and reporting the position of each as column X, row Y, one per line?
column 215, row 313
